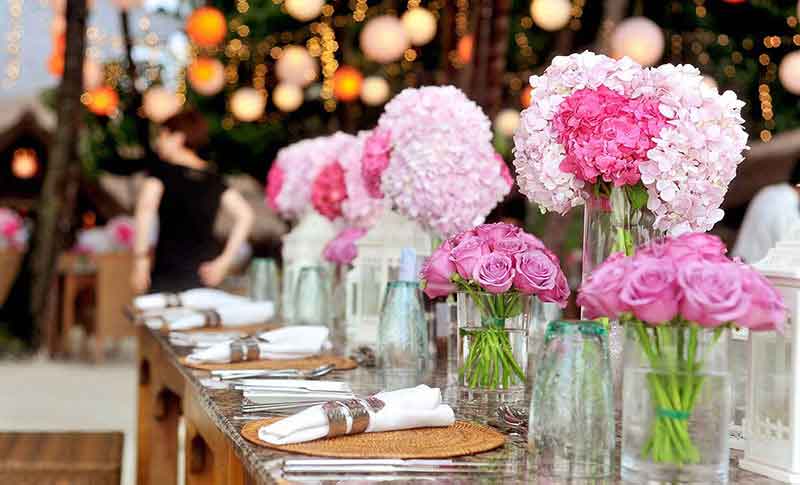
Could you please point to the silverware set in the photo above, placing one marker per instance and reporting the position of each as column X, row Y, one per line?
column 367, row 466
column 238, row 375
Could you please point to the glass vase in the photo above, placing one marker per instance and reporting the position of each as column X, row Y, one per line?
column 493, row 341
column 571, row 432
column 403, row 340
column 312, row 297
column 615, row 219
column 677, row 401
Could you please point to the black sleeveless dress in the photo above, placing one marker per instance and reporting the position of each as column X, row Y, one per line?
column 186, row 215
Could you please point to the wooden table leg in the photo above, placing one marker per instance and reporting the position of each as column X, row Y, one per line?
column 143, row 434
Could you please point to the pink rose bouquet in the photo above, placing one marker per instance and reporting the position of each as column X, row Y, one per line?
column 660, row 135
column 496, row 265
column 13, row 233
column 687, row 283
column 431, row 158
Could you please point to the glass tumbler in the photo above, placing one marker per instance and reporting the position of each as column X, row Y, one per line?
column 403, row 330
column 571, row 426
column 312, row 297
column 264, row 284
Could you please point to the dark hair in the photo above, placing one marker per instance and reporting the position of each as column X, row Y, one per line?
column 794, row 175
column 194, row 128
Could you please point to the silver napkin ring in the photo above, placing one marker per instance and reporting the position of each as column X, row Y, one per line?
column 358, row 414
column 337, row 420
column 212, row 318
column 374, row 403
column 357, row 409
column 242, row 350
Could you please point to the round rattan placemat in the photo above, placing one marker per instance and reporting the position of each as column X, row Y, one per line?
column 461, row 439
column 341, row 363
column 246, row 329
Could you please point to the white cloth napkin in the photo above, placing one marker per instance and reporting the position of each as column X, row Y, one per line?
column 203, row 339
column 281, row 344
column 199, row 298
column 236, row 315
column 417, row 407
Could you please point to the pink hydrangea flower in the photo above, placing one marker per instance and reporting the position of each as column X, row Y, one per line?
column 505, row 172
column 274, row 185
column 342, row 249
column 376, row 159
column 359, row 209
column 328, row 191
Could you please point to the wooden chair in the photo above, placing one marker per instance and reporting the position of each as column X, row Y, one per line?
column 61, row 458
column 10, row 261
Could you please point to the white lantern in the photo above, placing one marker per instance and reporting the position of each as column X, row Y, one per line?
column 247, row 104
column 551, row 15
column 789, row 72
column 772, row 429
column 377, row 263
column 296, row 66
column 638, row 38
column 506, row 122
column 287, row 97
column 384, row 39
column 159, row 104
column 420, row 25
column 375, row 91
column 302, row 247
column 304, row 10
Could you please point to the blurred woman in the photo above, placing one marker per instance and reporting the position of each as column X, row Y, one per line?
column 183, row 194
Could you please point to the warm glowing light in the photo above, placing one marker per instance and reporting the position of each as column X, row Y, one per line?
column 304, row 10
column 420, row 25
column 464, row 49
column 710, row 82
column 789, row 72
column 55, row 64
column 506, row 122
column 93, row 75
column 247, row 104
column 102, row 101
column 25, row 163
column 206, row 27
column 551, row 15
column 525, row 97
column 159, row 104
column 296, row 66
column 375, row 91
column 384, row 39
column 347, row 82
column 638, row 38
column 206, row 75
column 287, row 97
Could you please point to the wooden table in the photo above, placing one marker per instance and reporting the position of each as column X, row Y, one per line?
column 217, row 454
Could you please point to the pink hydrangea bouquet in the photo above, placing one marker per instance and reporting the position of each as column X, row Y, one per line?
column 496, row 265
column 13, row 233
column 431, row 157
column 671, row 143
column 685, row 283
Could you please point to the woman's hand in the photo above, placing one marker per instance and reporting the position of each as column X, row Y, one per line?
column 140, row 277
column 214, row 272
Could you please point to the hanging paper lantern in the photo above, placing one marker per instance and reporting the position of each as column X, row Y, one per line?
column 287, row 97
column 506, row 122
column 206, row 27
column 296, row 66
column 102, row 101
column 247, row 104
column 420, row 25
column 206, row 75
column 789, row 72
column 551, row 15
column 464, row 48
column 638, row 38
column 304, row 10
column 384, row 39
column 525, row 97
column 375, row 91
column 25, row 163
column 159, row 104
column 347, row 82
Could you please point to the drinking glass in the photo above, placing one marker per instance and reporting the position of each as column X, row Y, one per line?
column 571, row 426
column 264, row 280
column 403, row 330
column 312, row 297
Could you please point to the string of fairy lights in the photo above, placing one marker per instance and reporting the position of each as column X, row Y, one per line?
column 13, row 42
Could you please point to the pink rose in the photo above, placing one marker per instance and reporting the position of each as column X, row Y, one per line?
column 651, row 291
column 559, row 293
column 536, row 273
column 505, row 172
column 497, row 231
column 328, row 191
column 713, row 293
column 494, row 273
column 767, row 309
column 437, row 273
column 599, row 295
column 274, row 185
column 342, row 249
column 377, row 149
column 697, row 245
column 466, row 255
column 511, row 245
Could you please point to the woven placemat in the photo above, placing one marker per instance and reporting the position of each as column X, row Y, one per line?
column 247, row 329
column 341, row 363
column 461, row 439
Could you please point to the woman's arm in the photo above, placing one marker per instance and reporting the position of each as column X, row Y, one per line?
column 144, row 218
column 215, row 271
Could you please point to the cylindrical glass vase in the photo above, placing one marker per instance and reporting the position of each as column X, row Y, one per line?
column 677, row 402
column 493, row 341
column 312, row 297
column 403, row 339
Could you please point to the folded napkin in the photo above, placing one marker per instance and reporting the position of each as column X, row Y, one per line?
column 203, row 339
column 417, row 407
column 200, row 298
column 281, row 344
column 239, row 314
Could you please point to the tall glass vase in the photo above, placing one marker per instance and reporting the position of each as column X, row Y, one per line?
column 615, row 219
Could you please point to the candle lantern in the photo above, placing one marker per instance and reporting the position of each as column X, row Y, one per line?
column 772, row 420
column 377, row 263
column 302, row 247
